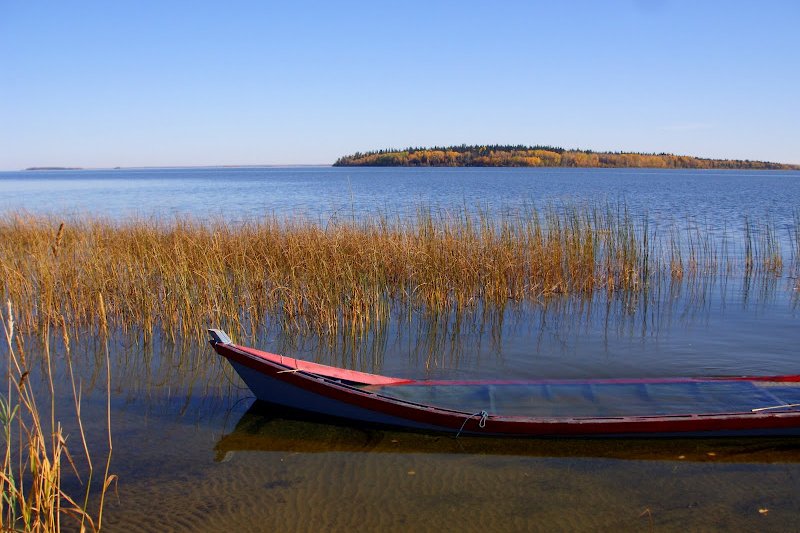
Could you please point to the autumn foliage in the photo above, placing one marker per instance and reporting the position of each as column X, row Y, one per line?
column 540, row 156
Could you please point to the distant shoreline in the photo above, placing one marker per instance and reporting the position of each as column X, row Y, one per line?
column 54, row 168
column 542, row 156
column 730, row 165
column 172, row 167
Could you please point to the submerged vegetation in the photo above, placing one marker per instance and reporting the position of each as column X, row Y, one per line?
column 183, row 276
column 540, row 156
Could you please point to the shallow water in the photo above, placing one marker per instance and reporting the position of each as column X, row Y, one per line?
column 192, row 454
column 286, row 474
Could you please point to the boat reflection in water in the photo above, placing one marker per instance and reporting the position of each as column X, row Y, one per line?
column 272, row 428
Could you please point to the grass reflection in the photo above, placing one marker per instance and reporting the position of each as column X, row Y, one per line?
column 184, row 377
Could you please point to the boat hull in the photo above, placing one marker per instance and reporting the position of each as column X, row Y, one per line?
column 366, row 398
column 275, row 391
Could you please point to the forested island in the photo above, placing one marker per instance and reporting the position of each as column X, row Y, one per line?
column 540, row 156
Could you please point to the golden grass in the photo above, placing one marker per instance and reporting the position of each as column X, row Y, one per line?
column 35, row 452
column 183, row 275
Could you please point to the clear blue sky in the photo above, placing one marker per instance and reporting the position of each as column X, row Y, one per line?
column 138, row 83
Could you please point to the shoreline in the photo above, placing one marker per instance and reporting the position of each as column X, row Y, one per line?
column 44, row 170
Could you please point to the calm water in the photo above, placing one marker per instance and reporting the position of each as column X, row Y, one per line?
column 194, row 453
column 320, row 192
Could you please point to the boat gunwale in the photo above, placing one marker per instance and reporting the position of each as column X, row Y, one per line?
column 380, row 380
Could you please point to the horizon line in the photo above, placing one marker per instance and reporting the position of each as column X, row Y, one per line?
column 164, row 167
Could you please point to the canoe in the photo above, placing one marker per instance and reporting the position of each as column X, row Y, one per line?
column 646, row 407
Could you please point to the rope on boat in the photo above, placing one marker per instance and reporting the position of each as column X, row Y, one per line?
column 481, row 423
column 775, row 407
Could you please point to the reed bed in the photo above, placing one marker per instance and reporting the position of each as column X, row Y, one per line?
column 36, row 458
column 183, row 275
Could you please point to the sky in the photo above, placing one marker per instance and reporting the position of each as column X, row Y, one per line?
column 174, row 83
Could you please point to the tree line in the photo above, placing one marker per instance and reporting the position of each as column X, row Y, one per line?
column 540, row 156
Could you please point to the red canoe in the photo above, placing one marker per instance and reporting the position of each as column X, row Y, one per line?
column 598, row 407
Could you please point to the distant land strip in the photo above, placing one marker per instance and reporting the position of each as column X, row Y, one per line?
column 54, row 168
column 540, row 156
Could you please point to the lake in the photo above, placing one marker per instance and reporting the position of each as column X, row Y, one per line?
column 714, row 196
column 194, row 452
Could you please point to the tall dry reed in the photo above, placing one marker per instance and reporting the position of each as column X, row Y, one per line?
column 345, row 275
column 36, row 457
